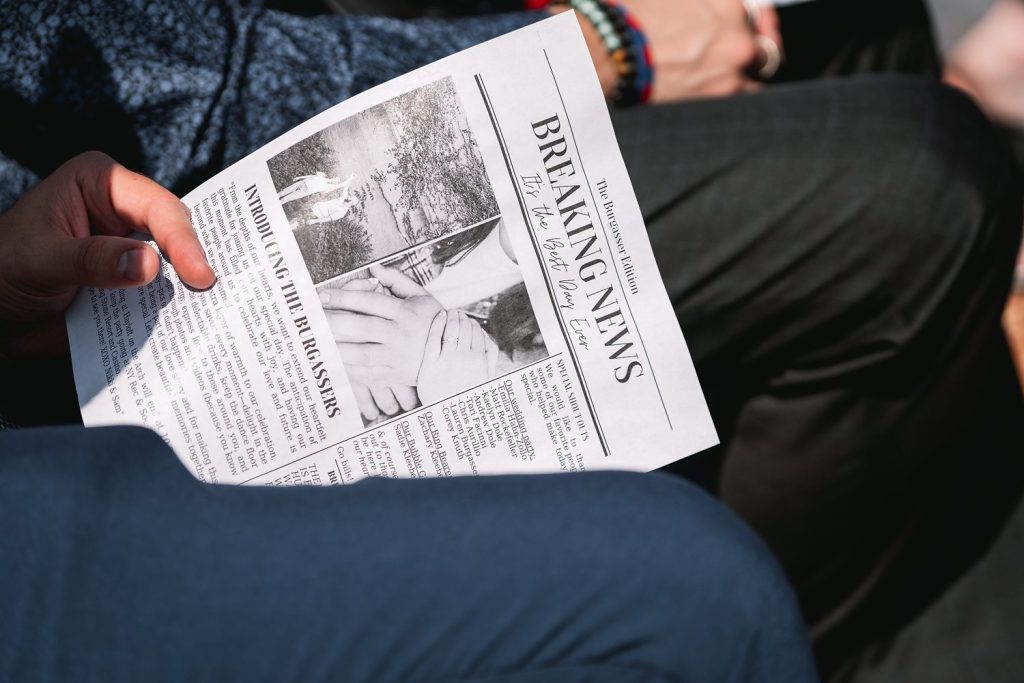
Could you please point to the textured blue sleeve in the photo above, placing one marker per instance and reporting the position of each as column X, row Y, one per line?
column 15, row 180
column 179, row 90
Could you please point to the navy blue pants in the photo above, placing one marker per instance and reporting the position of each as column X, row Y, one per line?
column 115, row 564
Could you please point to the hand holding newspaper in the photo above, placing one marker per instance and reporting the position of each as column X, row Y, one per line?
column 445, row 275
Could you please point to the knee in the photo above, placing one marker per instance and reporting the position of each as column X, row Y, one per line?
column 972, row 156
column 970, row 210
column 652, row 534
column 985, row 167
column 695, row 545
column 930, row 207
column 945, row 178
column 687, row 568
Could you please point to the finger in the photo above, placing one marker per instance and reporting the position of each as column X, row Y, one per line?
column 450, row 337
column 362, row 353
column 100, row 261
column 361, row 284
column 385, row 400
column 768, row 24
column 492, row 357
column 728, row 84
column 466, row 325
column 356, row 327
column 364, row 399
column 432, row 348
column 368, row 375
column 737, row 48
column 406, row 397
column 748, row 86
column 400, row 284
column 367, row 303
column 477, row 340
column 121, row 199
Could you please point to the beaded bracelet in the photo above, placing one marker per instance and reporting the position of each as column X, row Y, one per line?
column 640, row 59
column 626, row 44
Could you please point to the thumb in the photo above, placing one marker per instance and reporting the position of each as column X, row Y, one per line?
column 400, row 284
column 101, row 261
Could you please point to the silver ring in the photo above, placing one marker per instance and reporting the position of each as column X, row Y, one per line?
column 772, row 57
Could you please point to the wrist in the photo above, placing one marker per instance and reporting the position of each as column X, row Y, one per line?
column 618, row 46
column 604, row 64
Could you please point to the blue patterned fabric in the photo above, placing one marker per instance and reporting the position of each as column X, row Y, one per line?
column 179, row 90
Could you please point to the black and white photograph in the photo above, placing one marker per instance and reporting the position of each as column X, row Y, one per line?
column 394, row 176
column 433, row 322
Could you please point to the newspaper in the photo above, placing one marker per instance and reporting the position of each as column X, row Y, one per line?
column 446, row 275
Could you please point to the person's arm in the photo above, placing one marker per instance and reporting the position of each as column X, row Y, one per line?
column 180, row 90
column 17, row 180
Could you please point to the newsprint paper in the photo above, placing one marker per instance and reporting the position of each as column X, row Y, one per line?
column 445, row 275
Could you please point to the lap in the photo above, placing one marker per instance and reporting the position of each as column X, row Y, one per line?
column 563, row 577
column 773, row 212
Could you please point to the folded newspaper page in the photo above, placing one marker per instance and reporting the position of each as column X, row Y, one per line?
column 446, row 275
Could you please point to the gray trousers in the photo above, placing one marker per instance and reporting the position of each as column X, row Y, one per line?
column 839, row 255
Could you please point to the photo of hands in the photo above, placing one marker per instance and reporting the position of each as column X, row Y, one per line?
column 434, row 322
column 394, row 176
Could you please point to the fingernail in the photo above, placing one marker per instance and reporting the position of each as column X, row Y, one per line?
column 325, row 298
column 206, row 258
column 202, row 250
column 443, row 314
column 208, row 284
column 130, row 265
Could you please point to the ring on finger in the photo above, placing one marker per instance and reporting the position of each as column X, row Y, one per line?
column 772, row 57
